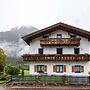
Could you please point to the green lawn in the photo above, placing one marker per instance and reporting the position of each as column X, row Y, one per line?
column 26, row 73
column 4, row 81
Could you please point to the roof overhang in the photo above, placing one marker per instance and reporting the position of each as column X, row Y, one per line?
column 62, row 26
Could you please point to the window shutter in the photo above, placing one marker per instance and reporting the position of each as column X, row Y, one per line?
column 64, row 68
column 72, row 68
column 82, row 68
column 45, row 68
column 34, row 68
column 54, row 68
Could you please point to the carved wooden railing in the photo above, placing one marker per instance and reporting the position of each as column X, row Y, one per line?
column 60, row 41
column 56, row 57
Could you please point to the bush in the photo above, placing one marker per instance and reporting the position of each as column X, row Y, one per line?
column 11, row 70
column 89, row 72
column 2, row 77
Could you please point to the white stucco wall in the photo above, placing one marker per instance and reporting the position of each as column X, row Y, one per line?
column 89, row 47
column 68, row 67
column 84, row 45
column 84, row 49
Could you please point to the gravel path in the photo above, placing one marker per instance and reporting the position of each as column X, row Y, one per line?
column 62, row 87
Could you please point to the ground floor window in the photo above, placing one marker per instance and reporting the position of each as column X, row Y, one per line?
column 40, row 68
column 77, row 68
column 59, row 68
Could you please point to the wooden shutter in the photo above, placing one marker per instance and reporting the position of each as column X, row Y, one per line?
column 35, row 68
column 54, row 68
column 64, row 68
column 45, row 68
column 82, row 68
column 72, row 68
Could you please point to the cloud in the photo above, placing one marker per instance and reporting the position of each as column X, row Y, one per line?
column 42, row 13
column 12, row 43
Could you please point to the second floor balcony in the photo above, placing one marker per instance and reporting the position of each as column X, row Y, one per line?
column 60, row 42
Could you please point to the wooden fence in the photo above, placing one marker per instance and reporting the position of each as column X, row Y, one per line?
column 50, row 79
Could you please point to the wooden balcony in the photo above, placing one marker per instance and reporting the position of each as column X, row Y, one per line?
column 56, row 57
column 60, row 42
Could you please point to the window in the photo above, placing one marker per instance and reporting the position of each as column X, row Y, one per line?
column 76, row 50
column 40, row 51
column 59, row 35
column 72, row 35
column 40, row 68
column 77, row 68
column 59, row 50
column 46, row 36
column 59, row 68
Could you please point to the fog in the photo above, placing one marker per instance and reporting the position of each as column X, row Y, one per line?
column 14, row 49
column 12, row 43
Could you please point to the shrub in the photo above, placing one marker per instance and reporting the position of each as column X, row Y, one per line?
column 11, row 70
column 2, row 77
column 89, row 72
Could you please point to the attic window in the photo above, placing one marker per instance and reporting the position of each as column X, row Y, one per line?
column 46, row 36
column 72, row 35
column 59, row 35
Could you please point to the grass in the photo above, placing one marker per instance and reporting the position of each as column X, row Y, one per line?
column 26, row 73
column 3, row 81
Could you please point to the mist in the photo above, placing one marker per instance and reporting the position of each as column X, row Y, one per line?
column 12, row 43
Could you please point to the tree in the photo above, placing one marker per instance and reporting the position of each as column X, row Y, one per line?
column 2, row 60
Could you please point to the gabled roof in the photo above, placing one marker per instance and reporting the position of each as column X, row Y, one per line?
column 62, row 26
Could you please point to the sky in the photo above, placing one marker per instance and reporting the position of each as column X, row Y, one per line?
column 43, row 13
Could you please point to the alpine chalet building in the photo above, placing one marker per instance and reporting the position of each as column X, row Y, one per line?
column 59, row 49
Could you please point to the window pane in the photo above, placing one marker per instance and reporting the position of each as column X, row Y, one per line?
column 76, row 50
column 59, row 50
column 72, row 35
column 77, row 68
column 59, row 68
column 40, row 50
column 59, row 35
column 40, row 68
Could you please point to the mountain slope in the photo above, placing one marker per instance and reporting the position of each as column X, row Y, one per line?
column 12, row 43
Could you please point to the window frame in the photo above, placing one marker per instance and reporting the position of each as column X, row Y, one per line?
column 59, row 35
column 59, row 52
column 39, row 50
column 46, row 35
column 72, row 35
column 75, row 52
column 41, row 66
column 60, row 71
column 77, row 66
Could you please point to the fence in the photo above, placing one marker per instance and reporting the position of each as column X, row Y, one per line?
column 51, row 79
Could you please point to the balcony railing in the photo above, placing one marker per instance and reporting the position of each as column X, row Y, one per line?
column 60, row 42
column 56, row 57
